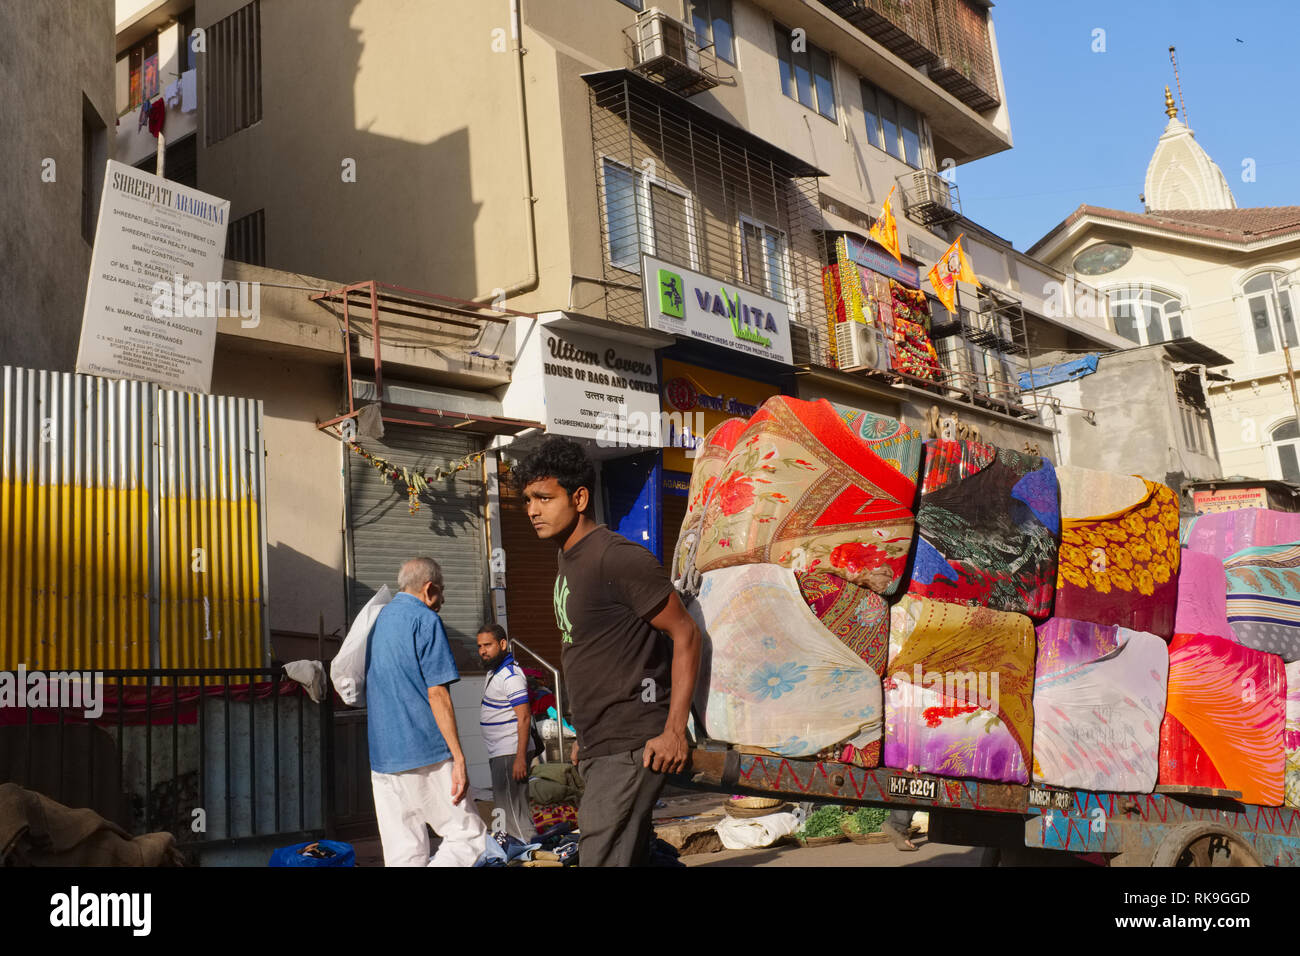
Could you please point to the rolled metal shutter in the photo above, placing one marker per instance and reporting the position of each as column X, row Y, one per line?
column 448, row 526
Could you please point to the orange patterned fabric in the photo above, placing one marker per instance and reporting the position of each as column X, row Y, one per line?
column 1225, row 718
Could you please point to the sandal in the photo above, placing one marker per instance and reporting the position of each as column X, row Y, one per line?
column 899, row 838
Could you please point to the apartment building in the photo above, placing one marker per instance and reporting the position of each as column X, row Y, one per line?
column 537, row 160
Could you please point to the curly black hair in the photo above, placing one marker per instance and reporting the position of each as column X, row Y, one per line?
column 562, row 459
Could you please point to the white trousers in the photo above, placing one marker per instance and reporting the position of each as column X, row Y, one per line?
column 406, row 801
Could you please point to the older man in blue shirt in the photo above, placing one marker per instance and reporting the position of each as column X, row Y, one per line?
column 417, row 768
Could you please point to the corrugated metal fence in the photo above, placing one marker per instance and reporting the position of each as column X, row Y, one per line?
column 132, row 526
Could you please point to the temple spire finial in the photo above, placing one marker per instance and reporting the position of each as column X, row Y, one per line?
column 1170, row 109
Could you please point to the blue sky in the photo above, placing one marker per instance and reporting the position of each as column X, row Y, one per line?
column 1085, row 124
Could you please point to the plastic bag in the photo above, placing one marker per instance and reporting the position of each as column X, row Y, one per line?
column 348, row 669
column 753, row 833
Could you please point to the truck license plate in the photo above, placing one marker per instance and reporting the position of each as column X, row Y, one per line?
column 1055, row 799
column 913, row 787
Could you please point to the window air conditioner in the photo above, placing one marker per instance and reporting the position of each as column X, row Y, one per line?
column 659, row 35
column 930, row 190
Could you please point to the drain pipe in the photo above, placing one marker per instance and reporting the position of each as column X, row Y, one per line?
column 530, row 282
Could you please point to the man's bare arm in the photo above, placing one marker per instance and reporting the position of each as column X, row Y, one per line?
column 668, row 752
column 444, row 715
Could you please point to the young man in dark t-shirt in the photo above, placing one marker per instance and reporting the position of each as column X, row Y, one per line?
column 630, row 687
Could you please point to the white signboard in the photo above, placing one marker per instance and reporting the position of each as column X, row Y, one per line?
column 154, row 291
column 599, row 389
column 697, row 306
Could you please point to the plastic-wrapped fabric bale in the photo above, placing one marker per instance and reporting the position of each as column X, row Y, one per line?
column 710, row 456
column 771, row 674
column 1202, row 596
column 1224, row 719
column 958, row 691
column 899, row 445
column 1099, row 696
column 987, row 526
column 1263, row 599
column 1225, row 533
column 857, row 616
column 1291, row 735
column 803, row 491
column 1119, row 551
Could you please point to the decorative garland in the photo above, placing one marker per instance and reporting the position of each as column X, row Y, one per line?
column 416, row 483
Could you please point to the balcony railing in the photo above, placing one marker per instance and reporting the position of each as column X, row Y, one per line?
column 904, row 27
column 666, row 50
column 965, row 66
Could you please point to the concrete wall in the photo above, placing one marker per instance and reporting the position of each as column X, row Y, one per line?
column 58, row 65
column 1208, row 280
column 1137, row 429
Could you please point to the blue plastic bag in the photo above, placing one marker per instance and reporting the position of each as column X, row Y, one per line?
column 316, row 853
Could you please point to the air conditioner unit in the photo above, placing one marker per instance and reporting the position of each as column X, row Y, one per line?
column 930, row 190
column 859, row 346
column 659, row 35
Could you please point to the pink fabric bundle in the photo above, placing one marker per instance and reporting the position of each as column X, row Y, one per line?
column 1202, row 596
column 1227, row 532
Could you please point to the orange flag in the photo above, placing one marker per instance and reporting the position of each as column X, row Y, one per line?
column 885, row 231
column 952, row 268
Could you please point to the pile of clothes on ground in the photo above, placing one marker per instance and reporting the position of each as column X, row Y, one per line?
column 956, row 608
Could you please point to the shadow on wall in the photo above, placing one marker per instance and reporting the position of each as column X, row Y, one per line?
column 408, row 217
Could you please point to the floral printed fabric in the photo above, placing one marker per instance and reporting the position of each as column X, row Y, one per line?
column 1122, row 568
column 1216, row 735
column 1291, row 735
column 899, row 445
column 710, row 457
column 858, row 617
column 987, row 527
column 771, row 674
column 1228, row 532
column 1099, row 696
column 801, row 490
column 958, row 691
column 1263, row 600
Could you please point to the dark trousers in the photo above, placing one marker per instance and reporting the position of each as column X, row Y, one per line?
column 614, row 817
column 511, row 797
column 901, row 819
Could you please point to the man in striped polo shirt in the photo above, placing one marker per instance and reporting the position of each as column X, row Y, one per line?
column 505, row 718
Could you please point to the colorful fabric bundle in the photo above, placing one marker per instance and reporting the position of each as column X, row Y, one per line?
column 1291, row 736
column 857, row 616
column 710, row 456
column 957, row 691
column 1224, row 719
column 898, row 444
column 771, row 674
column 910, row 305
column 987, row 527
column 1202, row 606
column 801, row 490
column 914, row 353
column 1263, row 603
column 1226, row 533
column 1099, row 696
column 844, row 299
column 1118, row 566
